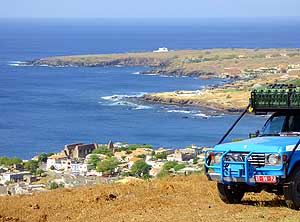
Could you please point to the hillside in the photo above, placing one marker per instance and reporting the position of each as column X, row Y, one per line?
column 204, row 63
column 180, row 198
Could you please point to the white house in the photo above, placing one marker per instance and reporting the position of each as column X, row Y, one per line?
column 163, row 49
column 68, row 165
column 6, row 177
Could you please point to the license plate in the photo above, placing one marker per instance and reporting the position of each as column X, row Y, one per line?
column 265, row 179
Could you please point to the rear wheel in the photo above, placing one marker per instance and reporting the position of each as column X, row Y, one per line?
column 292, row 191
column 230, row 194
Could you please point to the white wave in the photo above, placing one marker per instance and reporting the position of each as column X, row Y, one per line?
column 150, row 74
column 202, row 115
column 118, row 97
column 120, row 100
column 179, row 111
column 130, row 104
column 142, row 107
column 165, row 76
column 18, row 63
column 136, row 73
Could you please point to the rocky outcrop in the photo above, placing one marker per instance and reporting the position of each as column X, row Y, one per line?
column 180, row 73
column 93, row 62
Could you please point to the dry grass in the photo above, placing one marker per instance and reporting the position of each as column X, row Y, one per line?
column 179, row 198
column 178, row 59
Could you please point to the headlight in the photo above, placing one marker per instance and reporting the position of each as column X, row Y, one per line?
column 216, row 158
column 273, row 159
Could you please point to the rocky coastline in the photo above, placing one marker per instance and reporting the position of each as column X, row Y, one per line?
column 246, row 68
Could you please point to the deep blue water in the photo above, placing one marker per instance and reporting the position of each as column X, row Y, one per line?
column 43, row 108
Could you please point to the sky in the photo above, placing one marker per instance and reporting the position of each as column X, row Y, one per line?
column 147, row 8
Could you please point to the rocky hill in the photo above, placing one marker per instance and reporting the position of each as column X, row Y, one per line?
column 179, row 198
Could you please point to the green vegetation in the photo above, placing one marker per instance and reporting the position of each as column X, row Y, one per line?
column 168, row 166
column 141, row 169
column 135, row 146
column 195, row 160
column 179, row 166
column 162, row 155
column 42, row 158
column 32, row 166
column 103, row 150
column 53, row 185
column 142, row 156
column 39, row 172
column 94, row 160
column 107, row 166
column 162, row 174
column 6, row 161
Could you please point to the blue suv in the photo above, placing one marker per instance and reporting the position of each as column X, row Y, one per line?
column 270, row 161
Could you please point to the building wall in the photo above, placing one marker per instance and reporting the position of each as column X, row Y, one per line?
column 81, row 151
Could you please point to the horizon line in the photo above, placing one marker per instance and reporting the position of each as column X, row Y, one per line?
column 137, row 17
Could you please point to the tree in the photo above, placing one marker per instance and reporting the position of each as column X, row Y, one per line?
column 107, row 166
column 6, row 161
column 140, row 168
column 142, row 156
column 94, row 160
column 42, row 158
column 103, row 150
column 169, row 165
column 31, row 165
column 162, row 155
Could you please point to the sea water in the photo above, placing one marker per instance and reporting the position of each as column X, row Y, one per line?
column 43, row 108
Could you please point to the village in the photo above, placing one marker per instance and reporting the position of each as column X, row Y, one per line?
column 82, row 164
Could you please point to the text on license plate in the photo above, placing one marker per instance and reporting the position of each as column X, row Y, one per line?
column 265, row 179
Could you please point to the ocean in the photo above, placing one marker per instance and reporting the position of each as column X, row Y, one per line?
column 44, row 108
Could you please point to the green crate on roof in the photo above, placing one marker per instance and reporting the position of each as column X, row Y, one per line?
column 295, row 99
column 279, row 96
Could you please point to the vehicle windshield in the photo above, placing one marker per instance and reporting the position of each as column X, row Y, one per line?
column 282, row 124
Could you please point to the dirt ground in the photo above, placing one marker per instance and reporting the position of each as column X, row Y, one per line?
column 179, row 198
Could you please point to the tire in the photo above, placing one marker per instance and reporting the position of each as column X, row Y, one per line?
column 292, row 191
column 230, row 194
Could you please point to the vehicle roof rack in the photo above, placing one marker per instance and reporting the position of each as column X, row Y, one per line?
column 275, row 97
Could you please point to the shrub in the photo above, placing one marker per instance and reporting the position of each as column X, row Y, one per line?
column 169, row 165
column 140, row 168
column 53, row 185
column 179, row 166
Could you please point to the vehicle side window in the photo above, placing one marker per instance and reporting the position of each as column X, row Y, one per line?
column 274, row 125
column 294, row 124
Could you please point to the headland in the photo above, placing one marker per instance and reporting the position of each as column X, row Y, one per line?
column 245, row 69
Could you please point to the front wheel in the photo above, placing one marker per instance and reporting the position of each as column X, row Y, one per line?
column 292, row 191
column 230, row 194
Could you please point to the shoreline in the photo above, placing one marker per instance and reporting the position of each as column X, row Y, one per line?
column 246, row 68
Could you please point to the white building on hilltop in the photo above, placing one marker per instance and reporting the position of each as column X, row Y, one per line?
column 163, row 49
